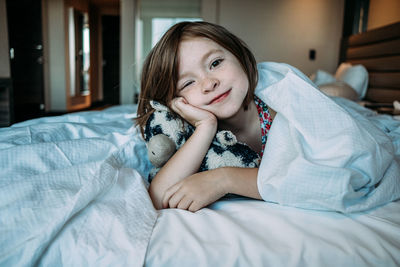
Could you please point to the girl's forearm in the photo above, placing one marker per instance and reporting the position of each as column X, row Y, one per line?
column 240, row 181
column 185, row 162
column 203, row 188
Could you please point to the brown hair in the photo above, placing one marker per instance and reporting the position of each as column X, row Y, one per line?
column 160, row 69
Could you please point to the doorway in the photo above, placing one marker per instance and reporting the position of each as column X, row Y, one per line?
column 26, row 57
column 111, row 50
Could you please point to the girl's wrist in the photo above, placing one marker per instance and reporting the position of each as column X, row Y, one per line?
column 209, row 127
column 210, row 121
column 239, row 181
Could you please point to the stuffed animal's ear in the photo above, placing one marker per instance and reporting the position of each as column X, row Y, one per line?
column 160, row 148
column 226, row 138
column 158, row 106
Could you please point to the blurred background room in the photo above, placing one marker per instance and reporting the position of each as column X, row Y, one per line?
column 61, row 56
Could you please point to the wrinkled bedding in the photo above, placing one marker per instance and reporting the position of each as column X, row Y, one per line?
column 324, row 153
column 72, row 193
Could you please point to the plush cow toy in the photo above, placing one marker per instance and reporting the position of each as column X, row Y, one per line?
column 166, row 133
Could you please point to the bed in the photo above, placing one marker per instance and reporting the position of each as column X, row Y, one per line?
column 73, row 192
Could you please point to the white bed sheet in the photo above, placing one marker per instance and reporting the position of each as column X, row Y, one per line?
column 245, row 232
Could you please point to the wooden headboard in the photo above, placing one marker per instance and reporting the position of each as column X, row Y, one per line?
column 379, row 51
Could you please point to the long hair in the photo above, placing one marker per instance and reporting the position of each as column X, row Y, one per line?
column 160, row 69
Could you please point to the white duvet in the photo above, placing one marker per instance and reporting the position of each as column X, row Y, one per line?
column 324, row 153
column 72, row 193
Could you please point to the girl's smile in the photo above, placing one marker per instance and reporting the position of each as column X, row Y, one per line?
column 220, row 97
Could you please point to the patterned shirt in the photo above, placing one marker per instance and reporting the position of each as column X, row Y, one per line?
column 265, row 121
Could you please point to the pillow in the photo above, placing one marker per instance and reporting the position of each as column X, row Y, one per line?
column 340, row 89
column 356, row 76
column 342, row 68
column 322, row 77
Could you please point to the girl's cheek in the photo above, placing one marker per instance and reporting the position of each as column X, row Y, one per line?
column 192, row 101
column 188, row 97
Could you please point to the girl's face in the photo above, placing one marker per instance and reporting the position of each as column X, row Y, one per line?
column 210, row 77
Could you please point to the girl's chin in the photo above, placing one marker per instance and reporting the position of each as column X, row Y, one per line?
column 227, row 114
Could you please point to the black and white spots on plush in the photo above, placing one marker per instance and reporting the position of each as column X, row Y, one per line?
column 237, row 155
column 162, row 121
column 166, row 133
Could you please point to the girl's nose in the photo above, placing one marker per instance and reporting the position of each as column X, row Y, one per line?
column 210, row 84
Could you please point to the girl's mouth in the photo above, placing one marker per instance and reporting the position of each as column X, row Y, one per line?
column 220, row 97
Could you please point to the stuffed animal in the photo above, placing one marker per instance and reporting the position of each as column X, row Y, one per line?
column 165, row 133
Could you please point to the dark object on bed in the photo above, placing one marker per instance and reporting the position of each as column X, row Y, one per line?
column 6, row 102
column 379, row 51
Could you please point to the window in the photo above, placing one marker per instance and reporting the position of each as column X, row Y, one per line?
column 160, row 25
column 157, row 16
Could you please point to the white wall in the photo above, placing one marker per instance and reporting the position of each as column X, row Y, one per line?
column 128, row 58
column 383, row 12
column 55, row 56
column 4, row 53
column 210, row 10
column 285, row 30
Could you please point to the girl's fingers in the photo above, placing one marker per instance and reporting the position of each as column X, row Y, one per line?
column 193, row 207
column 175, row 199
column 177, row 104
column 184, row 203
column 181, row 106
column 169, row 194
column 190, row 113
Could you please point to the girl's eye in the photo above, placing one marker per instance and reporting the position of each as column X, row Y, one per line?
column 216, row 62
column 186, row 84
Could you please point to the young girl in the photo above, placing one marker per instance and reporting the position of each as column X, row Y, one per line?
column 208, row 76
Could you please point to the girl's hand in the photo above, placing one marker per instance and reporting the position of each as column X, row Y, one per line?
column 195, row 116
column 195, row 191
